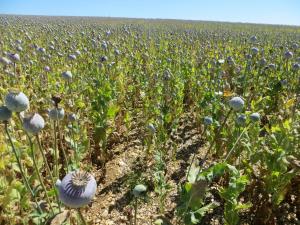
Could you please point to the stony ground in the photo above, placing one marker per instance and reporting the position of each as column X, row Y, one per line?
column 130, row 165
column 113, row 203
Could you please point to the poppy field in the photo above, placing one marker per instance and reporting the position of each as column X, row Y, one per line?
column 130, row 121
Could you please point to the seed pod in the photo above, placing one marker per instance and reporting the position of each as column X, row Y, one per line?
column 19, row 48
column 16, row 101
column 77, row 189
column 139, row 190
column 41, row 50
column 254, row 50
column 254, row 117
column 253, row 38
column 272, row 66
column 5, row 61
column 103, row 59
column 241, row 120
column 236, row 103
column 296, row 66
column 288, row 55
column 72, row 117
column 151, row 128
column 230, row 61
column 208, row 120
column 5, row 113
column 72, row 57
column 33, row 123
column 77, row 52
column 14, row 57
column 47, row 68
column 117, row 52
column 104, row 45
column 67, row 75
column 56, row 99
column 57, row 113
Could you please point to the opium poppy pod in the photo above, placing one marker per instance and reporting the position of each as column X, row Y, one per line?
column 104, row 45
column 139, row 190
column 72, row 117
column 14, row 57
column 33, row 123
column 77, row 189
column 5, row 113
column 103, row 59
column 288, row 55
column 272, row 66
column 19, row 48
column 230, row 60
column 254, row 50
column 16, row 101
column 5, row 61
column 47, row 68
column 151, row 128
column 77, row 52
column 117, row 52
column 236, row 103
column 72, row 57
column 67, row 75
column 254, row 117
column 241, row 120
column 296, row 66
column 208, row 120
column 41, row 50
column 56, row 113
column 253, row 38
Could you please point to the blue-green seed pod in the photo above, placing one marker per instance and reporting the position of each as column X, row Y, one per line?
column 56, row 113
column 139, row 190
column 236, row 103
column 241, row 120
column 77, row 189
column 208, row 120
column 16, row 101
column 5, row 113
column 254, row 117
column 33, row 123
column 67, row 75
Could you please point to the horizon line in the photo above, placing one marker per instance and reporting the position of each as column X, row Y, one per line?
column 152, row 18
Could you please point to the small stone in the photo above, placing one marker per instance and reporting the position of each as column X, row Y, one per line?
column 105, row 213
column 110, row 222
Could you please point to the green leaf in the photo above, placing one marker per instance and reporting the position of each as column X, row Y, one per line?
column 112, row 110
column 197, row 194
column 194, row 171
column 194, row 220
column 243, row 206
column 203, row 210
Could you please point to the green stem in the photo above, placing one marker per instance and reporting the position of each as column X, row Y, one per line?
column 216, row 136
column 81, row 217
column 48, row 169
column 15, row 69
column 135, row 211
column 21, row 168
column 236, row 142
column 55, row 152
column 75, row 145
column 62, row 148
column 35, row 164
column 39, row 175
column 194, row 155
column 45, row 160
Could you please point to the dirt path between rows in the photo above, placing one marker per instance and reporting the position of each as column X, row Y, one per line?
column 113, row 200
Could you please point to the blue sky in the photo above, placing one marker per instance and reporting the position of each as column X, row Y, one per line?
column 254, row 11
